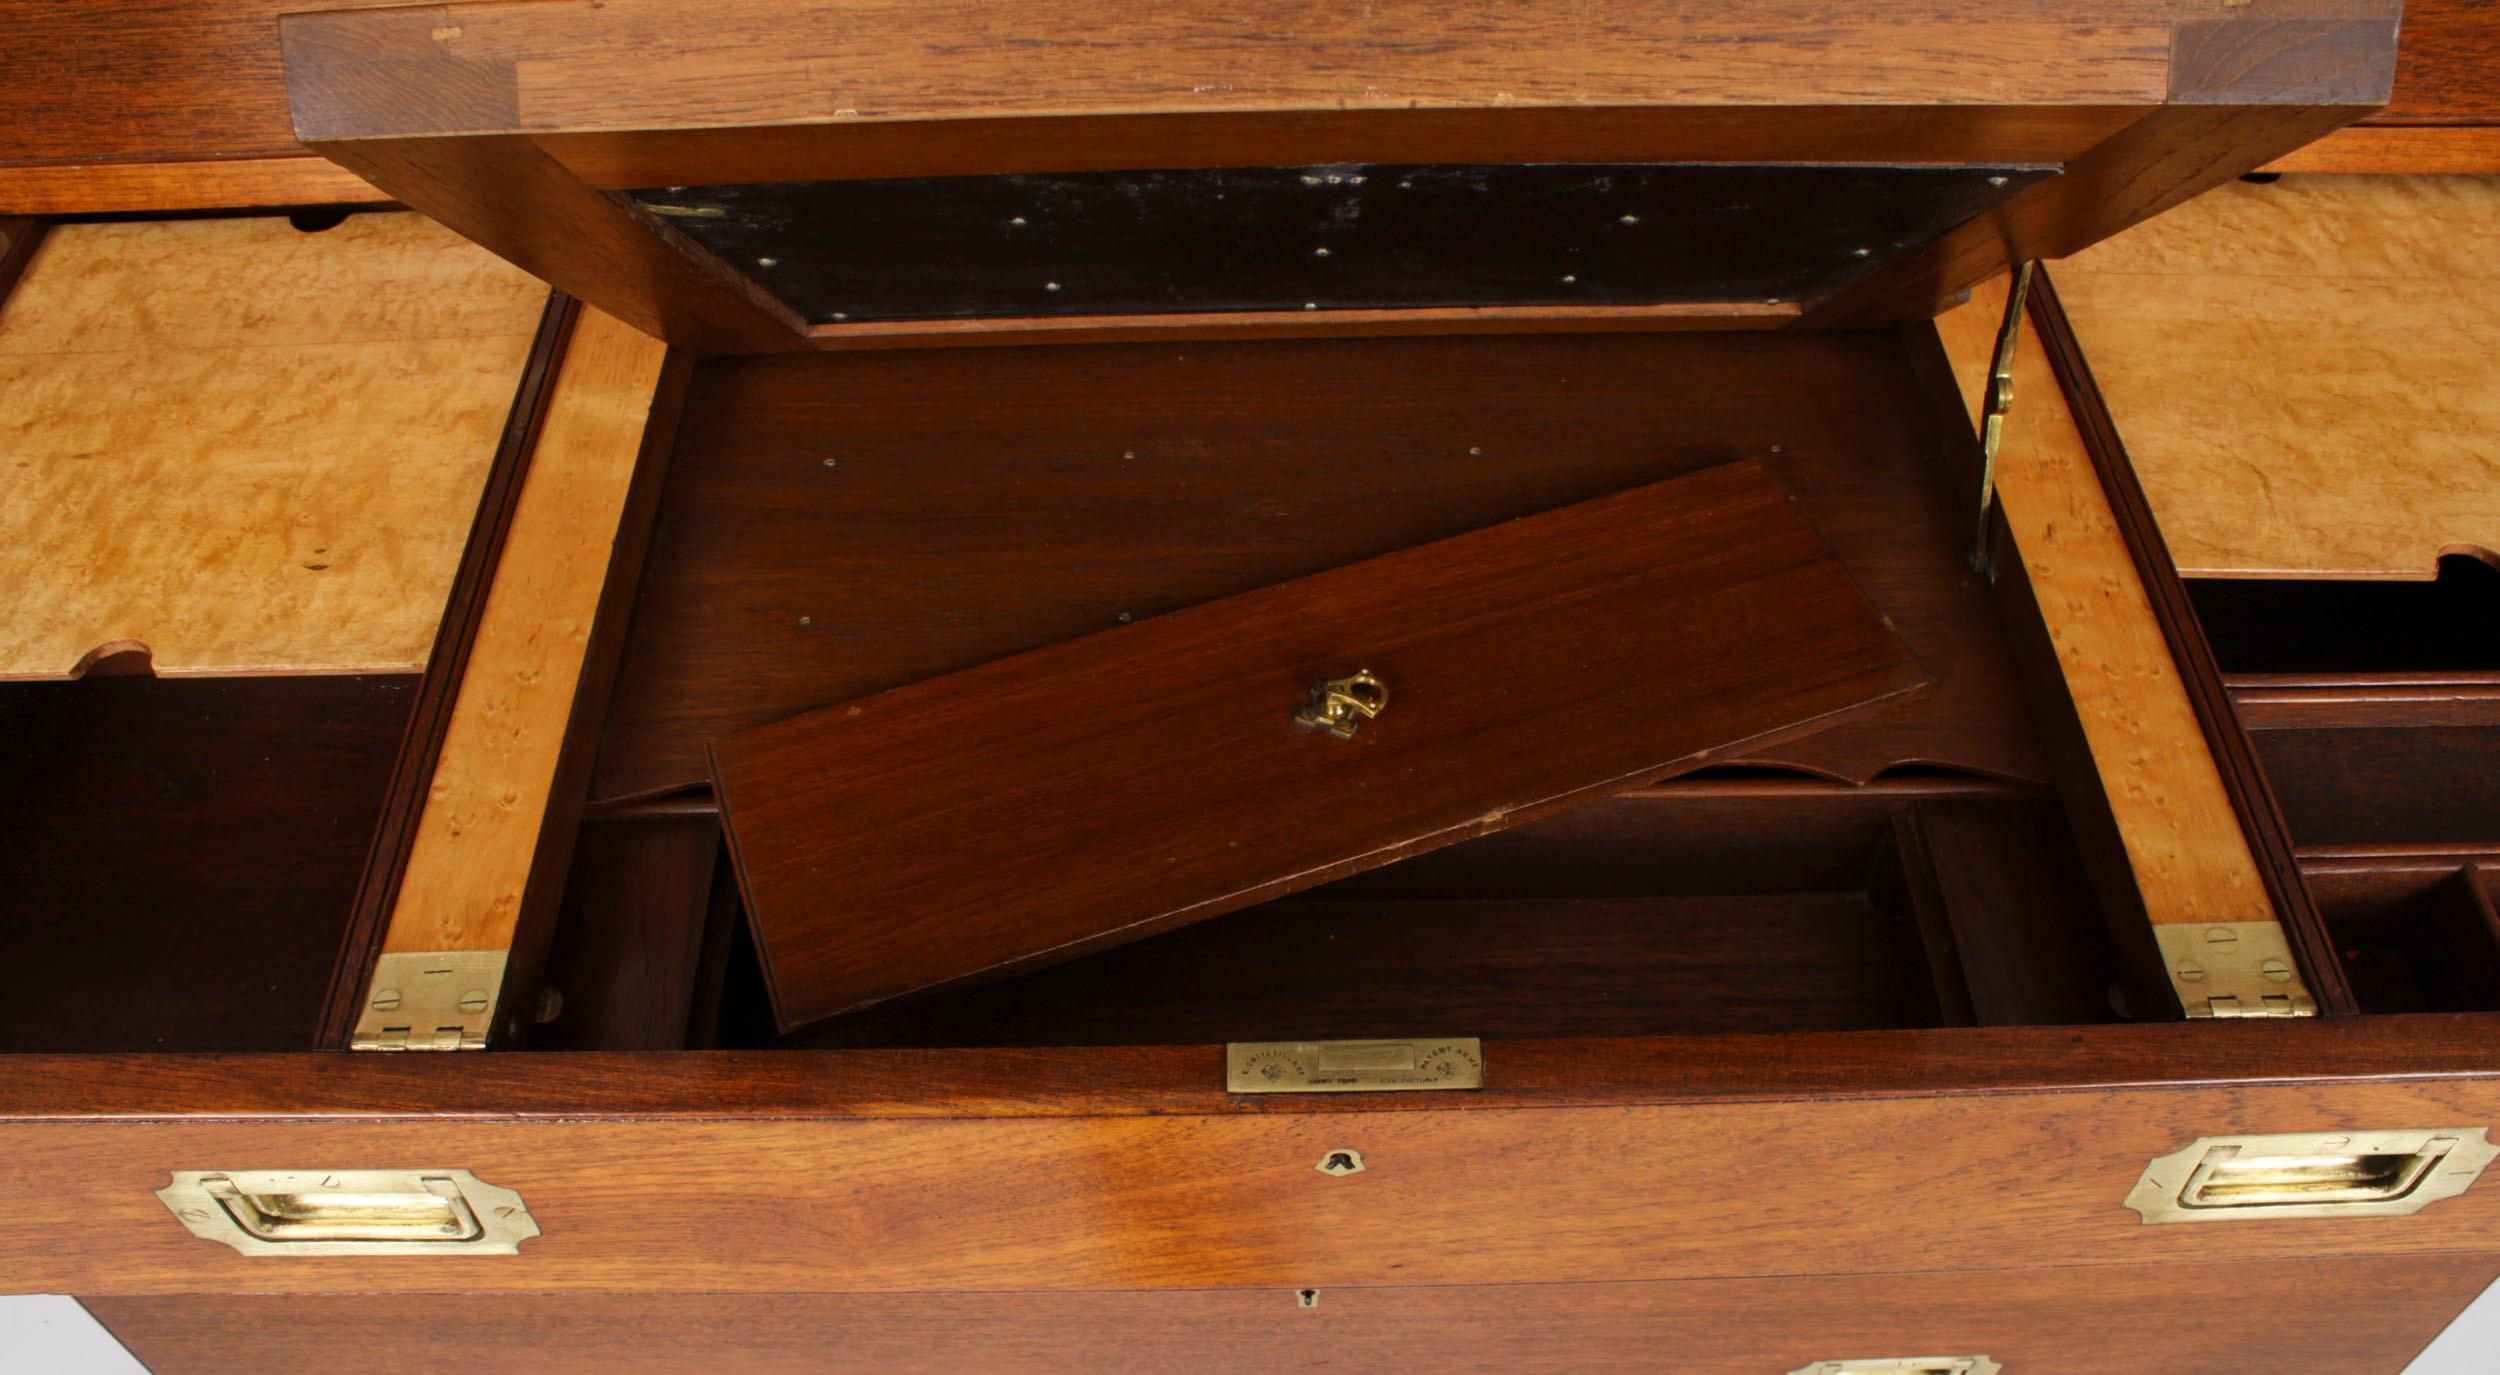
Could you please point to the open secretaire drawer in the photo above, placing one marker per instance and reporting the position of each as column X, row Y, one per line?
column 1794, row 792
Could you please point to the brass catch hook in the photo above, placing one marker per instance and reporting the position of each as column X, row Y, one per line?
column 1340, row 705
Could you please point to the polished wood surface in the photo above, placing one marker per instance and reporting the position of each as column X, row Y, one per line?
column 138, row 188
column 431, row 105
column 1463, row 1188
column 2306, row 373
column 2447, row 65
column 245, row 447
column 954, row 484
column 2419, row 150
column 2310, row 1316
column 179, row 855
column 478, row 838
column 1678, row 620
column 123, row 105
column 2191, row 860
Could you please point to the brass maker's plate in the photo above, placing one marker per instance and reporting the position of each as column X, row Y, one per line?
column 1451, row 1062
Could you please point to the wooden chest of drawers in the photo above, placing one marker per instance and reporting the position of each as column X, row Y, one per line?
column 2068, row 1001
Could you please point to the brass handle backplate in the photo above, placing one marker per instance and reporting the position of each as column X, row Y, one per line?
column 1341, row 705
column 350, row 1212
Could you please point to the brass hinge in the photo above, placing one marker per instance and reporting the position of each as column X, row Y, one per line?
column 430, row 1001
column 2234, row 969
column 1994, row 407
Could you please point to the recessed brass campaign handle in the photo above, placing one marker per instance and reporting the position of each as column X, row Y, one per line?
column 350, row 1212
column 2323, row 1174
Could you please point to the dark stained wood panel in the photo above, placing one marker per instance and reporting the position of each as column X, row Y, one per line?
column 836, row 526
column 179, row 856
column 1319, row 969
column 1092, row 792
column 1330, row 237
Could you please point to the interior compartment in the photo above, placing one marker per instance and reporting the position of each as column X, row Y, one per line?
column 2383, row 766
column 1728, row 905
column 2356, row 628
column 180, row 855
column 2415, row 935
column 835, row 525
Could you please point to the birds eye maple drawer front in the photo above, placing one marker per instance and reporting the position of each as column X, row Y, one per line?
column 882, row 813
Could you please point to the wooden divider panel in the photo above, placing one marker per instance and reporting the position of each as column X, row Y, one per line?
column 245, row 447
column 2307, row 373
column 478, row 842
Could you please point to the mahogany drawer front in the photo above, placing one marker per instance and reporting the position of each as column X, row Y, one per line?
column 2320, row 1317
column 1102, row 1168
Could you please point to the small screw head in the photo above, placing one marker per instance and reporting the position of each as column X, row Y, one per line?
column 1627, row 219
column 1319, row 252
column 2276, row 970
column 1050, row 286
column 386, row 1000
column 1996, row 181
column 768, row 262
column 2190, row 972
column 474, row 1001
column 2221, row 937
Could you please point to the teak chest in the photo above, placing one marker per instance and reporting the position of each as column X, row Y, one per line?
column 1180, row 687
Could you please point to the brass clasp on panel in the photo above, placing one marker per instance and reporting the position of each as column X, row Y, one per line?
column 1341, row 705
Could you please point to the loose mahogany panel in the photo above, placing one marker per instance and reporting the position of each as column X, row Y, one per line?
column 1092, row 792
column 836, row 526
column 2314, row 1317
column 179, row 856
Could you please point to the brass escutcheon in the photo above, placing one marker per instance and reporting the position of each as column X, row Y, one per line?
column 1340, row 705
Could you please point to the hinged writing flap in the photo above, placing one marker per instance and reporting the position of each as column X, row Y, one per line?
column 1096, row 791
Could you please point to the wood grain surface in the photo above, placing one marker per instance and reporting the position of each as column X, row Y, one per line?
column 2418, row 149
column 1457, row 1192
column 2307, row 373
column 531, row 68
column 2310, row 1316
column 432, row 104
column 122, row 105
column 839, row 526
column 247, row 448
column 2191, row 860
column 1147, row 776
column 477, row 839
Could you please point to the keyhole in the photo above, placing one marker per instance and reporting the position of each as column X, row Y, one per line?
column 1341, row 1163
column 1308, row 1298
